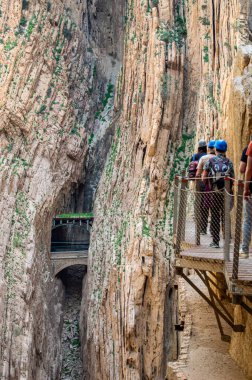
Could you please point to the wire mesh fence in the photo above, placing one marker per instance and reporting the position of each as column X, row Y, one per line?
column 209, row 217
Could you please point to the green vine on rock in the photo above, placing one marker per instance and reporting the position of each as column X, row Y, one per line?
column 173, row 34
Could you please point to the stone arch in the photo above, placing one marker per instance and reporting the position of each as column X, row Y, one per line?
column 59, row 265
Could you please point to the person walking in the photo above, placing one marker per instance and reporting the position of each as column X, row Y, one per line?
column 206, row 157
column 202, row 151
column 204, row 187
column 217, row 168
column 246, row 166
column 192, row 169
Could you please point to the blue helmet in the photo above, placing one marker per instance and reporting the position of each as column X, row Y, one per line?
column 221, row 145
column 211, row 144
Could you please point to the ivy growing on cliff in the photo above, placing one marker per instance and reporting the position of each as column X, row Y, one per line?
column 111, row 159
column 31, row 26
column 145, row 228
column 210, row 97
column 21, row 225
column 205, row 54
column 118, row 243
column 204, row 21
column 18, row 162
column 181, row 158
column 108, row 95
column 10, row 45
column 23, row 21
column 173, row 34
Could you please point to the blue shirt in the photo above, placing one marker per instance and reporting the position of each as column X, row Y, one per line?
column 197, row 156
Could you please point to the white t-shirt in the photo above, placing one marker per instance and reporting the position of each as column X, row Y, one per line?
column 202, row 162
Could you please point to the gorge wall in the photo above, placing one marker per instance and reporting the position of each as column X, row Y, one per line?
column 186, row 74
column 57, row 76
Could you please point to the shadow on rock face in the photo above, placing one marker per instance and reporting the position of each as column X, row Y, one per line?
column 73, row 276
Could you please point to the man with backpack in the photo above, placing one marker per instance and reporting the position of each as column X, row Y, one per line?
column 204, row 198
column 214, row 172
column 202, row 151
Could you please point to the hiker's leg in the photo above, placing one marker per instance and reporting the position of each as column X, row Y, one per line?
column 222, row 211
column 219, row 207
column 218, row 224
column 215, row 220
column 204, row 215
column 211, row 221
column 247, row 225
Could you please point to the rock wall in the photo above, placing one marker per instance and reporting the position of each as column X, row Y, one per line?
column 224, row 49
column 129, row 266
column 186, row 75
column 241, row 347
column 52, row 83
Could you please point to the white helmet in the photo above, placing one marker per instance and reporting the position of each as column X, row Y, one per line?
column 202, row 143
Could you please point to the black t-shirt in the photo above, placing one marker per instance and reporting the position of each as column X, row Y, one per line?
column 244, row 158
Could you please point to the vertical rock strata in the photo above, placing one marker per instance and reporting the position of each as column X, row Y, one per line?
column 186, row 73
column 129, row 267
column 42, row 147
column 52, row 81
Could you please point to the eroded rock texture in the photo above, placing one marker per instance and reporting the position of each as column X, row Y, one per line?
column 53, row 80
column 130, row 269
column 186, row 73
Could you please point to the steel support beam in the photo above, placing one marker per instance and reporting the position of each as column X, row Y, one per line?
column 236, row 328
column 246, row 307
column 217, row 287
column 205, row 280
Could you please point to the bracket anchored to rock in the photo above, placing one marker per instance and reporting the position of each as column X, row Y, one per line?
column 212, row 302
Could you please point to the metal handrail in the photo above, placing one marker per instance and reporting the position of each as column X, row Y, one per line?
column 181, row 190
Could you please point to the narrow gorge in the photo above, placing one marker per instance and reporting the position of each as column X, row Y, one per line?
column 101, row 106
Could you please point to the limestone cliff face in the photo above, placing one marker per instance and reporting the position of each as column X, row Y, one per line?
column 129, row 269
column 219, row 56
column 223, row 48
column 186, row 73
column 52, row 82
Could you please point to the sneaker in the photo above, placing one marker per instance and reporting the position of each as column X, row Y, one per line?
column 243, row 254
column 214, row 245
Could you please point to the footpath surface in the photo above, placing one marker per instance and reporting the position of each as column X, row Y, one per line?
column 208, row 357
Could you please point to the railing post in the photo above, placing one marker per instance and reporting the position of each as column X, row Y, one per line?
column 181, row 224
column 227, row 220
column 175, row 207
column 238, row 223
column 197, row 213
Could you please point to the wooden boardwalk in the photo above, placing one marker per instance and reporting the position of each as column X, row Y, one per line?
column 193, row 249
column 203, row 257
